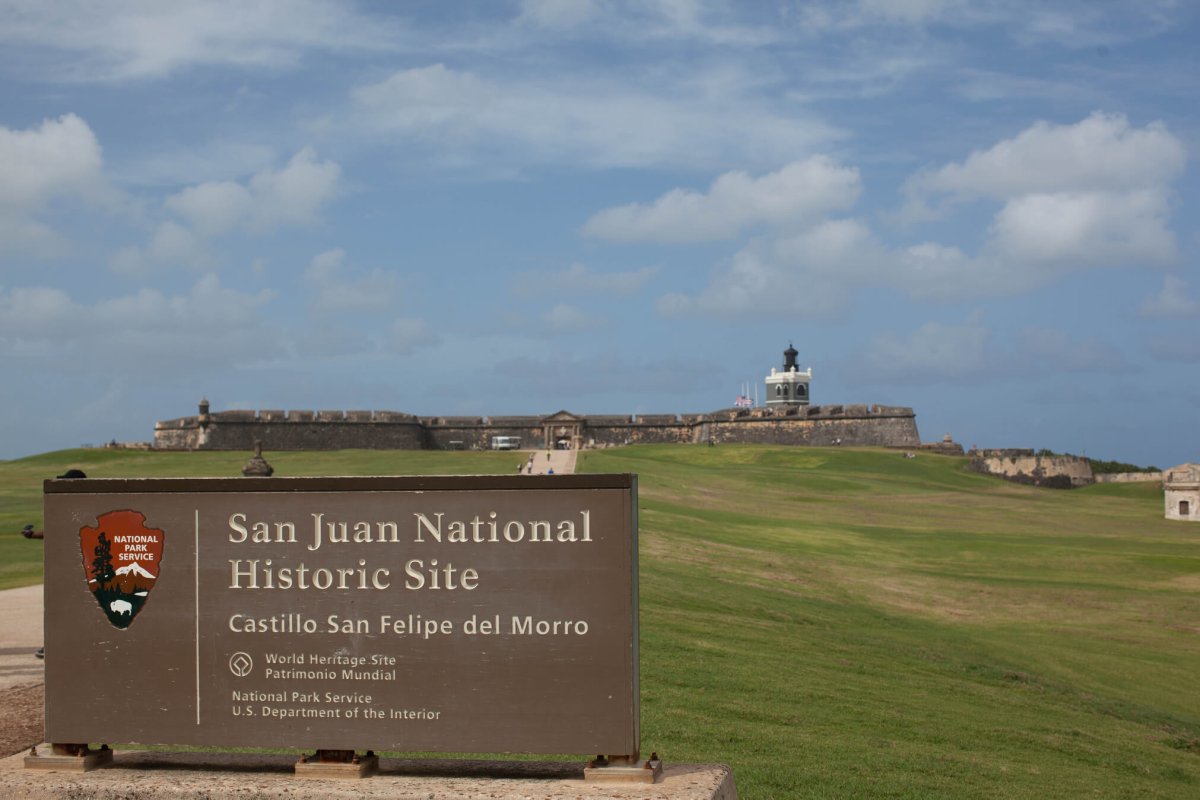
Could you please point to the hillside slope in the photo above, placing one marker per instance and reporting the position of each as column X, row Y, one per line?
column 849, row 623
column 855, row 624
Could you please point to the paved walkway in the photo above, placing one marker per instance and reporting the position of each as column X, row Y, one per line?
column 20, row 635
column 561, row 461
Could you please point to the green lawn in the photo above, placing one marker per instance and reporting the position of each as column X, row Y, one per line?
column 848, row 623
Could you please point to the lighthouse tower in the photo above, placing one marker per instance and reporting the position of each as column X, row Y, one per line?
column 789, row 387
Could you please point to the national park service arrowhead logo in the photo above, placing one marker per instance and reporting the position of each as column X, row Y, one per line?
column 121, row 558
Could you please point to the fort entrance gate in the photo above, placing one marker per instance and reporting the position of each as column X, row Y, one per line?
column 563, row 431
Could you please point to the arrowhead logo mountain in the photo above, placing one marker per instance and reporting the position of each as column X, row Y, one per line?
column 121, row 558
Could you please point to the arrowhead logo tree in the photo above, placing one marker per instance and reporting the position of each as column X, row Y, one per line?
column 121, row 558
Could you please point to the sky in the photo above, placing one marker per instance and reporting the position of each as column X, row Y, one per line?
column 988, row 211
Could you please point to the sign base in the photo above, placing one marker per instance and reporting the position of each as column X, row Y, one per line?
column 343, row 764
column 69, row 758
column 623, row 770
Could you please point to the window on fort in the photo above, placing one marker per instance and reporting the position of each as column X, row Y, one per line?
column 1183, row 508
column 801, row 390
column 778, row 391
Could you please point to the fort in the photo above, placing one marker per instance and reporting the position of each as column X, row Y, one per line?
column 786, row 418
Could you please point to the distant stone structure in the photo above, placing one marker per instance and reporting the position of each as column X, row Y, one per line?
column 792, row 420
column 1129, row 477
column 1181, row 491
column 850, row 425
column 1025, row 466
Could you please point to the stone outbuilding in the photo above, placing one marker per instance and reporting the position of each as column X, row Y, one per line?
column 1181, row 489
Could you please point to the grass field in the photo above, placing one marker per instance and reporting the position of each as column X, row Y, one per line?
column 848, row 623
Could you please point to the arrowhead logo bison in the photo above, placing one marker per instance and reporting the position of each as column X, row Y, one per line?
column 121, row 558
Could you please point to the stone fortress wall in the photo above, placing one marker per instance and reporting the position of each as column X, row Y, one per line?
column 848, row 425
column 1129, row 477
column 1025, row 466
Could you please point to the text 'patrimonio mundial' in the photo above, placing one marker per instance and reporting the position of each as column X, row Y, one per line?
column 419, row 573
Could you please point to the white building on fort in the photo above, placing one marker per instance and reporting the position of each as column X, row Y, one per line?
column 789, row 387
column 1181, row 487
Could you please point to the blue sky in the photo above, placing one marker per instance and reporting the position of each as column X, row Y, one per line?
column 984, row 210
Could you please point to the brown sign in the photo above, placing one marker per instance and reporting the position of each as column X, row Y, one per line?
column 479, row 614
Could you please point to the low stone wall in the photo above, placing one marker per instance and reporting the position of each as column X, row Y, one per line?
column 942, row 448
column 1021, row 466
column 1128, row 477
column 816, row 432
column 297, row 430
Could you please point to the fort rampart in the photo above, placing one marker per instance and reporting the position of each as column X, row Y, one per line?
column 850, row 425
column 1024, row 466
column 1129, row 477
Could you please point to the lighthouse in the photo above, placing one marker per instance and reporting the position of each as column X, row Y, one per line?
column 789, row 386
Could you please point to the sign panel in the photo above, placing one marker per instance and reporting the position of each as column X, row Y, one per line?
column 478, row 614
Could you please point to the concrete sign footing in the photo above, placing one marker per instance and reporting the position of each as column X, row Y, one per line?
column 337, row 764
column 205, row 775
column 623, row 770
column 68, row 758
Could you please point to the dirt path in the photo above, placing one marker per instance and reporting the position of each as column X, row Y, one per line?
column 21, row 721
column 20, row 635
column 21, row 675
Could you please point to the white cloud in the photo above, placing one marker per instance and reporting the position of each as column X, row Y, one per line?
column 148, row 39
column 464, row 120
column 1172, row 302
column 557, row 14
column 839, row 14
column 58, row 161
column 1065, row 23
column 910, row 10
column 1102, row 153
column 324, row 266
column 210, row 324
column 703, row 21
column 563, row 318
column 177, row 163
column 294, row 195
column 407, row 335
column 811, row 274
column 544, row 376
column 33, row 312
column 934, row 352
column 171, row 245
column 1052, row 350
column 938, row 352
column 1069, row 230
column 337, row 290
column 1074, row 197
column 792, row 197
column 213, row 208
column 1183, row 349
column 290, row 196
column 578, row 279
column 1086, row 24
